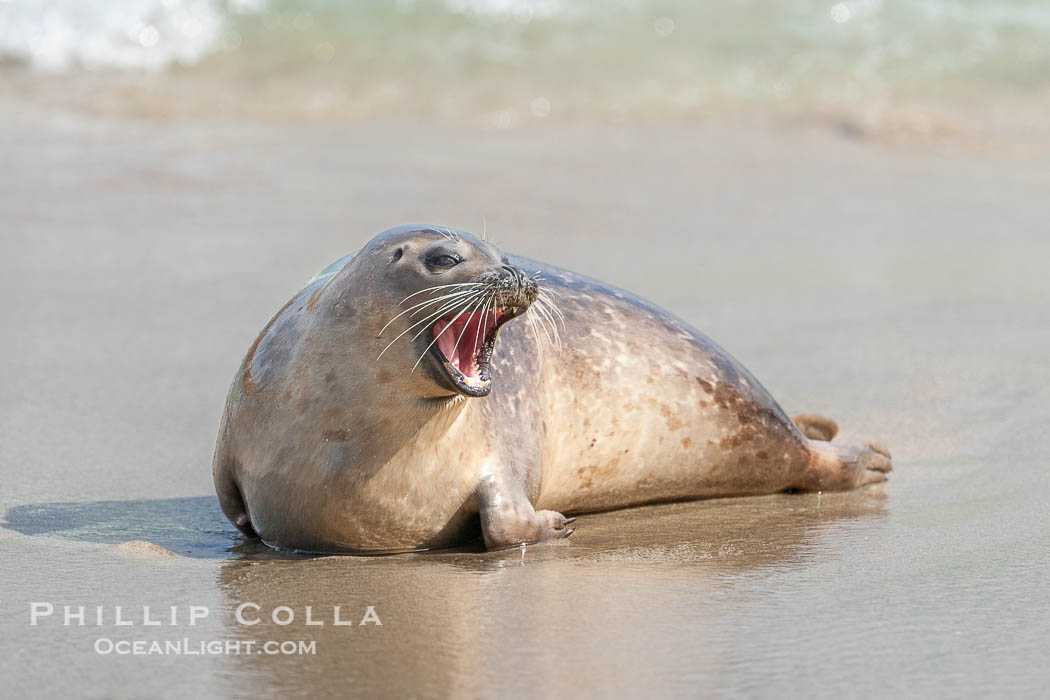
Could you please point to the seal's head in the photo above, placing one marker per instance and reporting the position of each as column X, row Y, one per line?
column 439, row 298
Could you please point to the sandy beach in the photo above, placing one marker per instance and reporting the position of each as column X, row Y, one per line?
column 903, row 292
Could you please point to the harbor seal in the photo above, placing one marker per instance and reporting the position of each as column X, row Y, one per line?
column 376, row 412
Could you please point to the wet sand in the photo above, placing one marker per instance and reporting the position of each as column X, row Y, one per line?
column 904, row 294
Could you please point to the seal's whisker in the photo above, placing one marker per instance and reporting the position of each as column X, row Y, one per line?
column 532, row 325
column 551, row 305
column 535, row 328
column 546, row 310
column 546, row 320
column 417, row 308
column 444, row 309
column 531, row 314
column 549, row 292
column 477, row 333
column 556, row 342
column 441, row 286
column 485, row 231
column 538, row 325
column 477, row 329
column 438, row 335
column 545, row 293
column 540, row 305
column 464, row 303
column 452, row 295
column 550, row 302
column 546, row 332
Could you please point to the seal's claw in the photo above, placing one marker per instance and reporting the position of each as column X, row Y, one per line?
column 568, row 532
column 567, row 521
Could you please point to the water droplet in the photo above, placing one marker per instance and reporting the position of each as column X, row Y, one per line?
column 540, row 107
column 148, row 36
column 840, row 13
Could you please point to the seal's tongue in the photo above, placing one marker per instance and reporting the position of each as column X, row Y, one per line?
column 461, row 340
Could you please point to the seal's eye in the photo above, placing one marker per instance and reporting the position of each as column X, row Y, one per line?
column 442, row 262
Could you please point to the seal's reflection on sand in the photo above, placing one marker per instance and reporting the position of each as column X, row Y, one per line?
column 477, row 622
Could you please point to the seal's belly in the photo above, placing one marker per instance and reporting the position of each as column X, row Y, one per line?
column 647, row 409
column 324, row 501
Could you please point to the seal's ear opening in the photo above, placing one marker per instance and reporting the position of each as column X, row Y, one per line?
column 397, row 255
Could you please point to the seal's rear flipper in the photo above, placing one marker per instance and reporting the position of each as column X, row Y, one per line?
column 847, row 463
column 816, row 427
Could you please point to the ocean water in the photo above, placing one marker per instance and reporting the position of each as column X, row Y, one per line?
column 925, row 62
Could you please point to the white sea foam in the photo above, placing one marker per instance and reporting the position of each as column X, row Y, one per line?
column 56, row 35
column 521, row 10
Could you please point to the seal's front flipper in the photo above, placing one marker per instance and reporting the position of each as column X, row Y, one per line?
column 816, row 427
column 508, row 518
column 845, row 464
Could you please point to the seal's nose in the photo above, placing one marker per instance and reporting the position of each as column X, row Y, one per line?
column 520, row 285
column 509, row 286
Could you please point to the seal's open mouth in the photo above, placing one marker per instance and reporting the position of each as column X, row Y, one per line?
column 464, row 347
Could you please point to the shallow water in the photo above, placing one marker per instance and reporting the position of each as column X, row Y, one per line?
column 767, row 50
column 964, row 70
column 904, row 295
